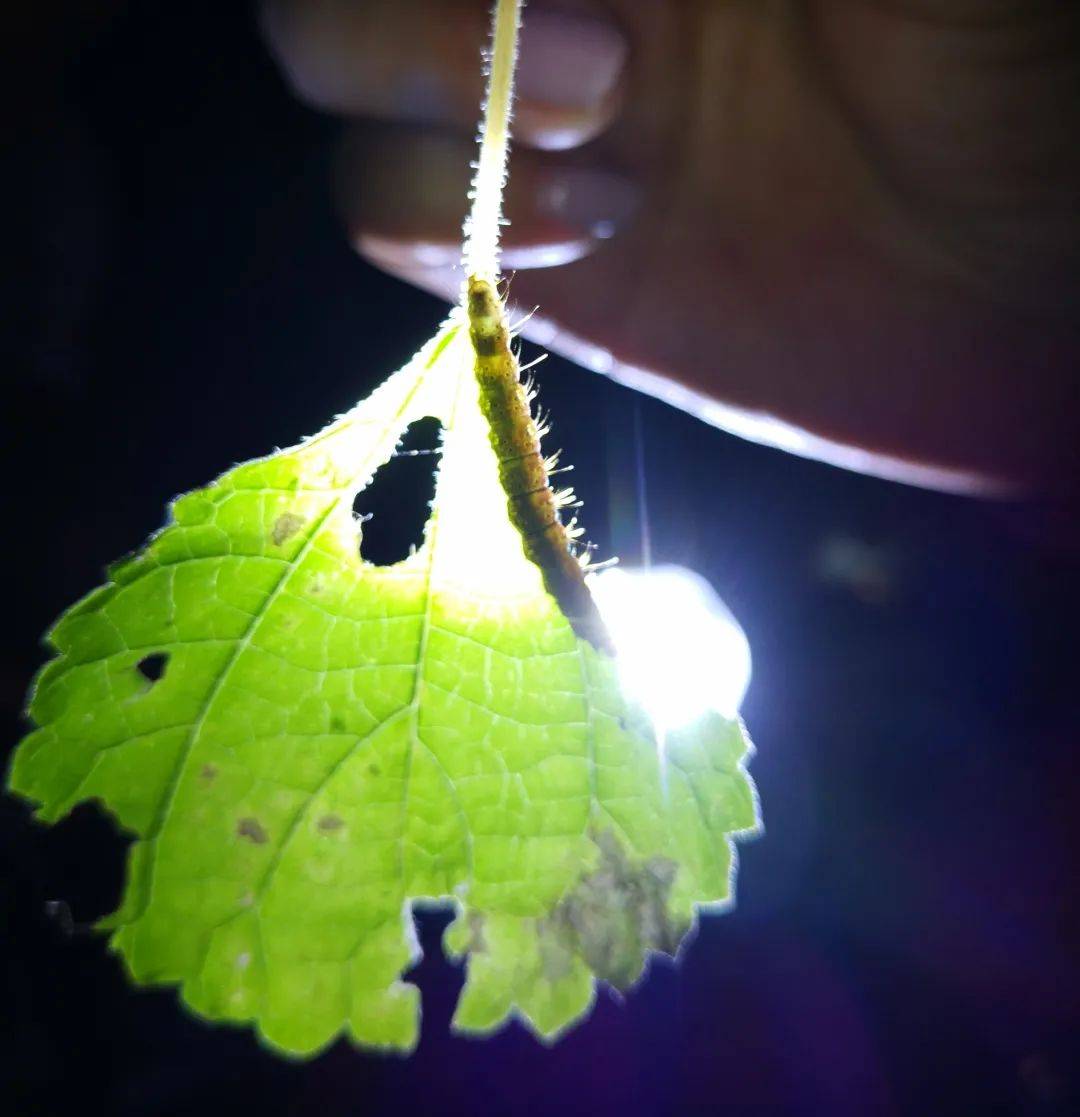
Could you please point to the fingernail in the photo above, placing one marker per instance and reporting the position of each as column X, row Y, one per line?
column 376, row 191
column 568, row 61
column 595, row 201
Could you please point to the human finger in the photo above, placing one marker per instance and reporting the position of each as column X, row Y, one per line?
column 418, row 61
column 402, row 193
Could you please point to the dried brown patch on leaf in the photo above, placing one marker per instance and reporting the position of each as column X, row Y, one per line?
column 285, row 527
column 613, row 917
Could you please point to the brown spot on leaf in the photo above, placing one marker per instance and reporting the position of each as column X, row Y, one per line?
column 374, row 770
column 208, row 772
column 253, row 830
column 285, row 527
column 330, row 822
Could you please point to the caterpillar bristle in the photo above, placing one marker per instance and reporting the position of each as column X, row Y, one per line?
column 596, row 567
column 521, row 323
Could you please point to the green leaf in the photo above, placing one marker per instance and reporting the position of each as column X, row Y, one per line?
column 305, row 745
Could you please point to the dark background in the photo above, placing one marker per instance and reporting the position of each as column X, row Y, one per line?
column 182, row 299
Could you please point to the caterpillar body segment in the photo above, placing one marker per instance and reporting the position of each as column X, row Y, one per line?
column 524, row 472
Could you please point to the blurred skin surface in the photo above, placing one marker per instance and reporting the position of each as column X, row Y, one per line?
column 850, row 228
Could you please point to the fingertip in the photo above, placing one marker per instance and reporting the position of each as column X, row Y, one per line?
column 428, row 261
column 570, row 77
column 412, row 60
column 419, row 61
column 403, row 183
column 403, row 195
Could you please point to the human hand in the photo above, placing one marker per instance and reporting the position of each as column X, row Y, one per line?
column 846, row 227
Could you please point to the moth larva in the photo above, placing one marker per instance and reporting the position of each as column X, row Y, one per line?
column 524, row 473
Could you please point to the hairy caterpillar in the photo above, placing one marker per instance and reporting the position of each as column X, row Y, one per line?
column 524, row 472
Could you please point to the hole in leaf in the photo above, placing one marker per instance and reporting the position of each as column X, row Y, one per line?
column 394, row 508
column 152, row 667
column 86, row 857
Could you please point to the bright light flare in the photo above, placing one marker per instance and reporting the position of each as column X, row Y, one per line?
column 679, row 650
